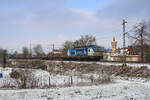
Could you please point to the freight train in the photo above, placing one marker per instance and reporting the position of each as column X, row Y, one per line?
column 89, row 53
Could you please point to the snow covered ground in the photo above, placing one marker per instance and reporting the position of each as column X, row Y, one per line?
column 45, row 78
column 109, row 63
column 120, row 90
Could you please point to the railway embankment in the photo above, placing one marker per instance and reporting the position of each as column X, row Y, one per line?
column 98, row 68
column 76, row 67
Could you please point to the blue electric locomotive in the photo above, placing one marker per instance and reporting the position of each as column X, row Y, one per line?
column 86, row 51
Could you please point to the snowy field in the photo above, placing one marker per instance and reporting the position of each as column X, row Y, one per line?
column 120, row 90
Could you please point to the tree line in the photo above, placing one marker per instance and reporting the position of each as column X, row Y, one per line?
column 38, row 51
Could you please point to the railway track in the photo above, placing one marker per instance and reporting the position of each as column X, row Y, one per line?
column 65, row 58
column 98, row 60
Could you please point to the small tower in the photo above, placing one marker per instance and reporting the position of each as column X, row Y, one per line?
column 114, row 45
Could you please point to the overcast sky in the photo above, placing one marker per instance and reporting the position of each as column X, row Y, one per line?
column 54, row 21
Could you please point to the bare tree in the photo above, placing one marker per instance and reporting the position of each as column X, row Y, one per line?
column 66, row 46
column 141, row 37
column 85, row 41
column 5, row 56
column 25, row 52
column 38, row 50
column 15, row 54
column 1, row 53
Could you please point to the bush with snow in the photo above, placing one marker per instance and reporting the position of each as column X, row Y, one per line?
column 24, row 78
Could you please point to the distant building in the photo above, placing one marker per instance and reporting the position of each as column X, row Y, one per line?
column 114, row 45
column 117, row 55
column 56, row 53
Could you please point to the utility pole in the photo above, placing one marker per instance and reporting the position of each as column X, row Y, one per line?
column 124, row 42
column 30, row 50
column 53, row 47
column 11, row 51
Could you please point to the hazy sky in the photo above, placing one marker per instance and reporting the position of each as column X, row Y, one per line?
column 54, row 21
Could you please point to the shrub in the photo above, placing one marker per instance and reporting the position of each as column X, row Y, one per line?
column 24, row 78
column 103, row 79
column 15, row 74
